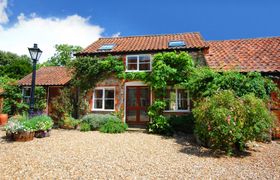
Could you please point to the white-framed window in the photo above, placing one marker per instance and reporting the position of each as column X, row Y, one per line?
column 104, row 99
column 26, row 93
column 177, row 100
column 142, row 62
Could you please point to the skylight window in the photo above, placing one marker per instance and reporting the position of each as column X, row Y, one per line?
column 176, row 44
column 107, row 47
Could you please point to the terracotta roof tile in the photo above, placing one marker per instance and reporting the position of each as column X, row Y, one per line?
column 48, row 76
column 260, row 54
column 146, row 43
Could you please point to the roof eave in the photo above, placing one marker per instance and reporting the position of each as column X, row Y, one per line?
column 140, row 51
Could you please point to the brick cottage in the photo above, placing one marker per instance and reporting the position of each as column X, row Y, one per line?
column 133, row 97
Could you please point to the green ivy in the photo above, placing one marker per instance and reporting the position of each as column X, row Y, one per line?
column 205, row 82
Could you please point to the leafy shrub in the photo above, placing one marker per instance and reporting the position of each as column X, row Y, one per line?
column 205, row 82
column 97, row 120
column 62, row 105
column 227, row 122
column 13, row 95
column 85, row 127
column 113, row 126
column 71, row 103
column 182, row 123
column 43, row 122
column 159, row 124
column 69, row 122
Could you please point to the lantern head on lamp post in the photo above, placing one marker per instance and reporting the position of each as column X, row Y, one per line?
column 35, row 54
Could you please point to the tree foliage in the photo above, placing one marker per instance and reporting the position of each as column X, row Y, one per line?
column 14, row 66
column 63, row 56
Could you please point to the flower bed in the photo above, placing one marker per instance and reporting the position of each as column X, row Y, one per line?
column 21, row 128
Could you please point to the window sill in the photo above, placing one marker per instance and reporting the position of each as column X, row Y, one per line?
column 105, row 110
column 175, row 111
column 138, row 71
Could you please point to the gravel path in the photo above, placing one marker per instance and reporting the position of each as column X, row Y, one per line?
column 132, row 155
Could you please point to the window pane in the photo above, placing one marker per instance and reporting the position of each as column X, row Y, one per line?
column 132, row 59
column 144, row 66
column 144, row 116
column 171, row 100
column 183, row 104
column 107, row 47
column 98, row 93
column 131, row 115
column 109, row 104
column 131, row 96
column 182, row 99
column 98, row 104
column 144, row 59
column 109, row 93
column 182, row 93
column 132, row 67
column 144, row 97
column 26, row 92
column 176, row 43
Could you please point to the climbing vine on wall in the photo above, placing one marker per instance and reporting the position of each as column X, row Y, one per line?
column 168, row 69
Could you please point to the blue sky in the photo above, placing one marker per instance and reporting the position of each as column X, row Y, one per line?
column 214, row 19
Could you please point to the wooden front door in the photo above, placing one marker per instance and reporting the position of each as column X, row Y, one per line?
column 137, row 103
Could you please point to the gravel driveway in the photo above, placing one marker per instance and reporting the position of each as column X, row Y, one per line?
column 132, row 155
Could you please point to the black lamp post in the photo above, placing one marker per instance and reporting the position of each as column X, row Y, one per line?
column 35, row 54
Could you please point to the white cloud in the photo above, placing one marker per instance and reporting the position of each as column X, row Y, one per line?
column 47, row 32
column 3, row 14
column 116, row 34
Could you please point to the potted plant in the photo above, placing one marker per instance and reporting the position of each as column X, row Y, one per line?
column 44, row 125
column 20, row 130
column 3, row 116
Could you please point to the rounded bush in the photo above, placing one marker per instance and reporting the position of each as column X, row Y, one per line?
column 84, row 127
column 113, row 126
column 97, row 120
column 224, row 121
